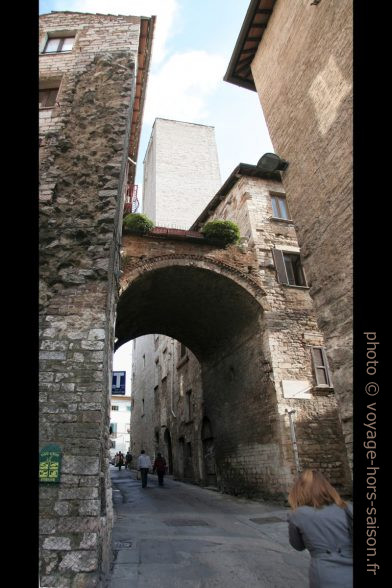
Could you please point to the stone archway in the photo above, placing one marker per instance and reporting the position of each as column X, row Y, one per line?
column 175, row 295
column 216, row 311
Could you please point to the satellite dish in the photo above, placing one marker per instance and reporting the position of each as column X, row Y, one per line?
column 271, row 162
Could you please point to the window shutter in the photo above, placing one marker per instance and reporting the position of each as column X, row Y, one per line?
column 321, row 367
column 327, row 369
column 280, row 266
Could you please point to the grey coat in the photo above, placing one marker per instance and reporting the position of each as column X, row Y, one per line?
column 325, row 533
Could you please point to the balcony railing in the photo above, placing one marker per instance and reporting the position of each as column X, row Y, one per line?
column 131, row 200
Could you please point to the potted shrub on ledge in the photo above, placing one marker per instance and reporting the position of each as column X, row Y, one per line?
column 137, row 223
column 225, row 232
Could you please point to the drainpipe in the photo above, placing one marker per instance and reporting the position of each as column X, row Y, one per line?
column 294, row 440
column 172, row 380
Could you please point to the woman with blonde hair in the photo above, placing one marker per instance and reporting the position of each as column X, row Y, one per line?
column 322, row 523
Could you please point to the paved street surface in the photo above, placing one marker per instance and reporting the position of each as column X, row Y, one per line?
column 184, row 536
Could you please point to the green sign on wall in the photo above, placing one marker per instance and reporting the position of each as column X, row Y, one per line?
column 50, row 464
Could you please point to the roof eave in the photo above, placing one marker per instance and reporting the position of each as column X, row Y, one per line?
column 231, row 76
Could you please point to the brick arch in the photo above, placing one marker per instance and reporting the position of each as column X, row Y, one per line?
column 132, row 271
column 232, row 301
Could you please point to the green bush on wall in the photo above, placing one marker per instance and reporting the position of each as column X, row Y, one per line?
column 137, row 223
column 220, row 230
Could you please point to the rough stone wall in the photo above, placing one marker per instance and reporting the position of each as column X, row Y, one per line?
column 165, row 407
column 142, row 416
column 247, row 407
column 290, row 330
column 303, row 74
column 85, row 140
column 184, row 173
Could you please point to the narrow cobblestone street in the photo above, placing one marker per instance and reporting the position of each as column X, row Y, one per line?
column 184, row 536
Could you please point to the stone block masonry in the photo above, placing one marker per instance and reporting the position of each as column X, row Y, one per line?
column 302, row 70
column 240, row 355
column 84, row 146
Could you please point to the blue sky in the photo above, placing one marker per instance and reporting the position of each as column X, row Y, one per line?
column 193, row 44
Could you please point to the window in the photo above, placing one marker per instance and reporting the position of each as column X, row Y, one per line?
column 289, row 268
column 59, row 44
column 113, row 428
column 182, row 350
column 128, row 408
column 114, row 407
column 321, row 368
column 47, row 97
column 279, row 207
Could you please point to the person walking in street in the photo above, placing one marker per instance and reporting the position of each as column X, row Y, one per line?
column 128, row 460
column 144, row 464
column 120, row 460
column 159, row 467
column 322, row 523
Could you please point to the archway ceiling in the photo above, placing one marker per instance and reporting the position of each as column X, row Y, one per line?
column 203, row 309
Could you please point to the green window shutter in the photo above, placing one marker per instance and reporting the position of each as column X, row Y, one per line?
column 280, row 266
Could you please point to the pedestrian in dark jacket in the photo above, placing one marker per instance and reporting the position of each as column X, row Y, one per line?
column 128, row 460
column 322, row 523
column 159, row 467
column 120, row 461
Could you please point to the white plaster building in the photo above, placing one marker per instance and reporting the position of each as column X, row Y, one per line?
column 120, row 424
column 181, row 172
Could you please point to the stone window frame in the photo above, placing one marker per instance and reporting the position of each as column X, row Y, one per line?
column 59, row 34
column 324, row 366
column 281, row 196
column 279, row 253
column 51, row 84
column 48, row 97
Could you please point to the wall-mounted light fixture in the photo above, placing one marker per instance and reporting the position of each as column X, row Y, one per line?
column 271, row 162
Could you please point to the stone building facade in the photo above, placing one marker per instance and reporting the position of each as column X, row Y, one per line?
column 215, row 398
column 298, row 56
column 93, row 72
